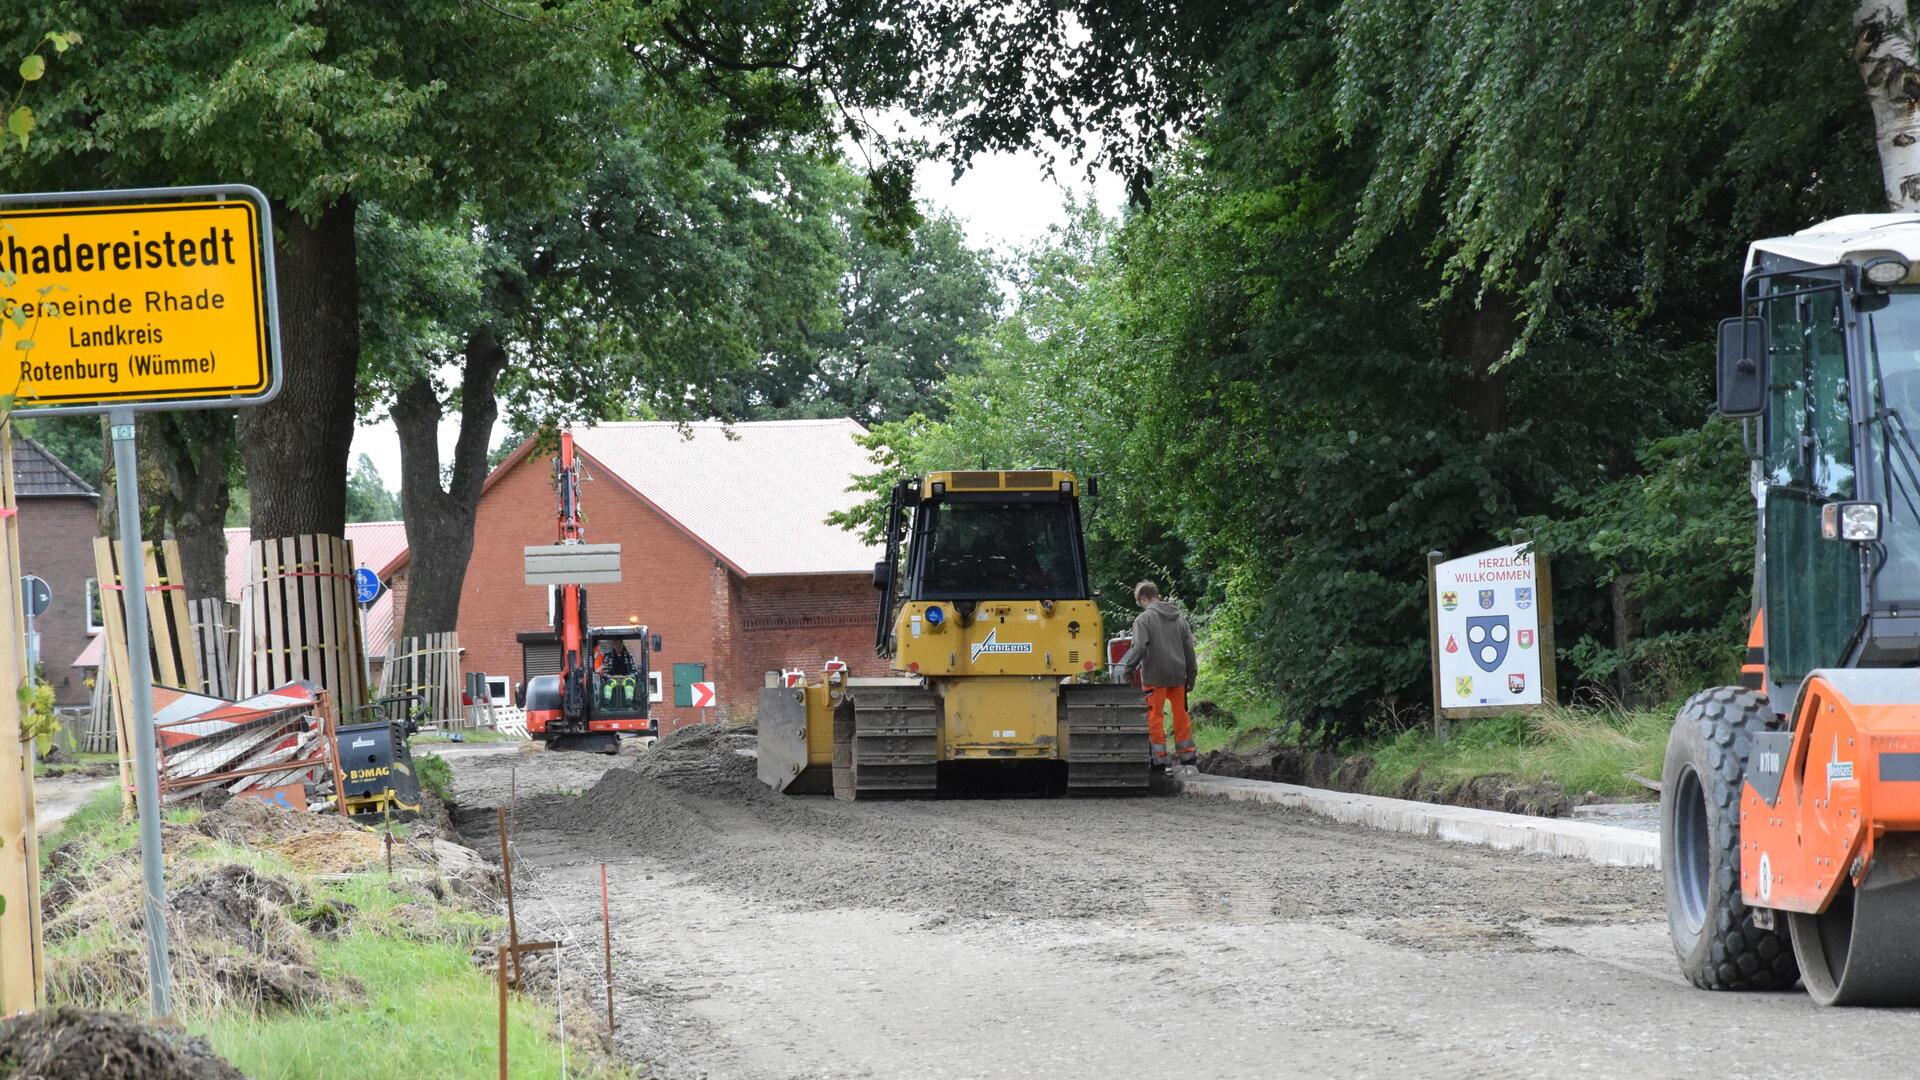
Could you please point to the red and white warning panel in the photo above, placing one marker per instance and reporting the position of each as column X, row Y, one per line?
column 703, row 696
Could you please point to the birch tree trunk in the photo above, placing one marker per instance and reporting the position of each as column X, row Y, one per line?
column 1883, row 47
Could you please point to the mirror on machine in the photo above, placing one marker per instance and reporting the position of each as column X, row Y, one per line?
column 882, row 574
column 1743, row 367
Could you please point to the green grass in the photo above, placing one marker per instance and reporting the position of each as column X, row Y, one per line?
column 98, row 822
column 70, row 761
column 1247, row 726
column 1585, row 748
column 1582, row 749
column 428, row 1012
column 435, row 775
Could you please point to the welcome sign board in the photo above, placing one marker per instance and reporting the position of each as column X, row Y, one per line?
column 1492, row 632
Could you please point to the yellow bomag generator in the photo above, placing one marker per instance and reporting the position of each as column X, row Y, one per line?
column 1790, row 805
column 987, row 618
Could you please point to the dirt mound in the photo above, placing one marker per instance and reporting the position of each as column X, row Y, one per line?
column 489, row 778
column 1292, row 765
column 702, row 758
column 66, row 1043
column 252, row 822
column 236, row 940
column 235, row 903
column 1495, row 791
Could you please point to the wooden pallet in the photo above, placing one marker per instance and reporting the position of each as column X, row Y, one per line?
column 298, row 620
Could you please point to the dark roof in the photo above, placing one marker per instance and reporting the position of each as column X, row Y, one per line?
column 37, row 472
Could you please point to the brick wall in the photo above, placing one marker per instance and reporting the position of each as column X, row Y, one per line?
column 56, row 542
column 801, row 622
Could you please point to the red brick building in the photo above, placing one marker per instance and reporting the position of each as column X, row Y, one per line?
column 725, row 552
column 59, row 517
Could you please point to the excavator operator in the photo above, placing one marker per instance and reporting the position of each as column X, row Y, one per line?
column 615, row 665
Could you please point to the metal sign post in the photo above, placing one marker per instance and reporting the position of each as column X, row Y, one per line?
column 34, row 598
column 146, row 775
column 166, row 300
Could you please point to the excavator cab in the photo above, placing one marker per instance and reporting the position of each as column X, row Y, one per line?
column 1791, row 805
column 619, row 684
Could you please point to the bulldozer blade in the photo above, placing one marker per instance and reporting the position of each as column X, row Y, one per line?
column 782, row 723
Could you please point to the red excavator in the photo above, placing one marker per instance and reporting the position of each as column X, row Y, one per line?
column 603, row 688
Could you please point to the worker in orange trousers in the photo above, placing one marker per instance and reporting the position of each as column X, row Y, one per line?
column 1162, row 655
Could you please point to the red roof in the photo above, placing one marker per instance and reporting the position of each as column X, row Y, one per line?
column 756, row 495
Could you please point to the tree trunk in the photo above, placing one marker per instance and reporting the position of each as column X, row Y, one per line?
column 108, row 510
column 1884, row 50
column 295, row 447
column 156, row 500
column 440, row 520
column 1478, row 335
column 193, row 450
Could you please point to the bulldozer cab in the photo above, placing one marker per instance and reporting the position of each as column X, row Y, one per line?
column 967, row 537
column 1824, row 364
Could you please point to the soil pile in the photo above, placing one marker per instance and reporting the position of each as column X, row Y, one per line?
column 241, row 936
column 65, row 1043
column 703, row 758
column 488, row 778
column 235, row 941
column 253, row 822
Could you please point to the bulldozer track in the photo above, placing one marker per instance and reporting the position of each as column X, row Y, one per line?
column 887, row 745
column 1103, row 727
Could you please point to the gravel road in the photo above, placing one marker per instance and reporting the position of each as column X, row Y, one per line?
column 763, row 937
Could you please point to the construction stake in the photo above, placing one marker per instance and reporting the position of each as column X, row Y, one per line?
column 506, row 871
column 502, row 956
column 606, row 926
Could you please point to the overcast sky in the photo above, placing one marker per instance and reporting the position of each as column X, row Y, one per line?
column 1005, row 201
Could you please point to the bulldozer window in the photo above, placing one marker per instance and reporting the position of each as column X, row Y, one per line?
column 1012, row 550
column 1813, row 584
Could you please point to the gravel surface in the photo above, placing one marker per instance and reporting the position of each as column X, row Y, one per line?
column 761, row 936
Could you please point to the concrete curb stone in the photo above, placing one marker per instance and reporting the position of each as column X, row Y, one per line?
column 1602, row 845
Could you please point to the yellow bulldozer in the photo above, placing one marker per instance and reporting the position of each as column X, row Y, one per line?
column 988, row 620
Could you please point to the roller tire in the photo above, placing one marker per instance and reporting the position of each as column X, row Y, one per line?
column 1713, row 932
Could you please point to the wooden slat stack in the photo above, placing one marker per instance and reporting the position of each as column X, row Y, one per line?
column 102, row 725
column 299, row 620
column 171, row 648
column 429, row 668
column 215, row 645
